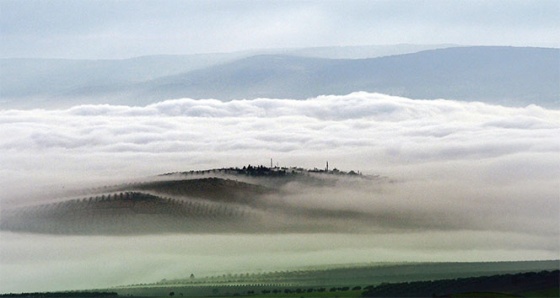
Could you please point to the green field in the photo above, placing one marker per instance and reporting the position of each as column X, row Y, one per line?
column 348, row 281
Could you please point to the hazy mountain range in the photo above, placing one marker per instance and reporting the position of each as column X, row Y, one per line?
column 503, row 75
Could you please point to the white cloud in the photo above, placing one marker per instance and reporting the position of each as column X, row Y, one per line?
column 370, row 132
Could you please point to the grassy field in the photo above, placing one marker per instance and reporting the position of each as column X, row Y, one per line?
column 344, row 294
column 553, row 292
column 349, row 277
column 499, row 279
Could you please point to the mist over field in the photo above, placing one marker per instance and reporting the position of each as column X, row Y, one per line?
column 458, row 181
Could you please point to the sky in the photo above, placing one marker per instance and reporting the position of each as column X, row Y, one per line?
column 112, row 29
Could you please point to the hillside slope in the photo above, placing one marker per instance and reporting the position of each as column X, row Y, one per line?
column 126, row 213
column 205, row 205
column 184, row 204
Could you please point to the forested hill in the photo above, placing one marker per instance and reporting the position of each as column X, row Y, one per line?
column 228, row 200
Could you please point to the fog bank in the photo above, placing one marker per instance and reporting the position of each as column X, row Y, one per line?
column 463, row 182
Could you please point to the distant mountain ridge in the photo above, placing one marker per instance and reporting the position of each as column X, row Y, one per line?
column 36, row 82
column 510, row 76
column 502, row 75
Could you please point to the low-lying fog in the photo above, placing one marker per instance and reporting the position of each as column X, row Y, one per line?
column 42, row 262
column 465, row 182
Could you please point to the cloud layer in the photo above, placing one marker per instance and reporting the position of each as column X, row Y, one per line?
column 480, row 181
column 373, row 133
